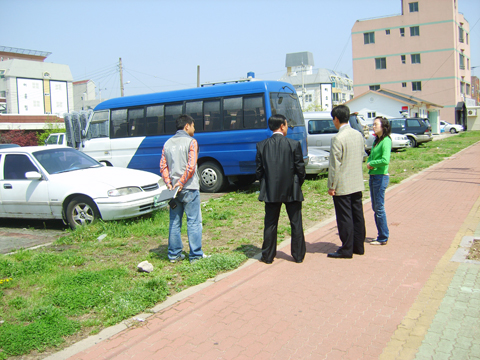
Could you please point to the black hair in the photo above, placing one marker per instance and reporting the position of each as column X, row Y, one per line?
column 276, row 121
column 342, row 113
column 183, row 120
column 386, row 129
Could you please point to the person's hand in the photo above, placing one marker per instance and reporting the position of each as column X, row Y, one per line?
column 369, row 167
column 180, row 186
column 169, row 187
column 331, row 192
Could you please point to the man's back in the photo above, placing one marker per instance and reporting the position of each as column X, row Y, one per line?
column 346, row 159
column 279, row 159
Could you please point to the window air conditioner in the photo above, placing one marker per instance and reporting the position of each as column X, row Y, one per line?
column 472, row 112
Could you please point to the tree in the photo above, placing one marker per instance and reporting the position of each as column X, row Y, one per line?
column 19, row 137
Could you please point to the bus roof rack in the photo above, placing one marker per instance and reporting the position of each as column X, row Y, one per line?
column 227, row 82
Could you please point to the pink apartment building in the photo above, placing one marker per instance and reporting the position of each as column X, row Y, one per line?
column 424, row 52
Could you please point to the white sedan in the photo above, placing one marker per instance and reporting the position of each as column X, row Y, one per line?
column 452, row 128
column 58, row 182
column 317, row 161
column 398, row 141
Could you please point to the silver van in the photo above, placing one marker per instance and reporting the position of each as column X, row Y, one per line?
column 320, row 128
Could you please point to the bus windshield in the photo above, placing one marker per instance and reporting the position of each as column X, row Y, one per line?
column 287, row 105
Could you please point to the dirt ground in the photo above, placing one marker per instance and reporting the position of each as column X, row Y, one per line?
column 474, row 253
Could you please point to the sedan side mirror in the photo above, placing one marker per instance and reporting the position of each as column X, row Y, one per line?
column 33, row 175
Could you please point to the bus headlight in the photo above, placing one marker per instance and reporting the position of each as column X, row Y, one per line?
column 124, row 191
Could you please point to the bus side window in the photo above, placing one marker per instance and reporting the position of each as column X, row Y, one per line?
column 155, row 120
column 136, row 122
column 195, row 110
column 213, row 121
column 232, row 113
column 254, row 113
column 172, row 112
column 119, row 124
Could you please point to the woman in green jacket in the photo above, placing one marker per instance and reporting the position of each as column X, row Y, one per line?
column 377, row 164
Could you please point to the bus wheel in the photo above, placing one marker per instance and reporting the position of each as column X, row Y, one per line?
column 211, row 177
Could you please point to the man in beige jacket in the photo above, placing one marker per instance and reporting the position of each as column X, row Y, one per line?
column 345, row 183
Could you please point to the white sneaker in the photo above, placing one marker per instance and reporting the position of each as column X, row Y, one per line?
column 178, row 258
column 203, row 257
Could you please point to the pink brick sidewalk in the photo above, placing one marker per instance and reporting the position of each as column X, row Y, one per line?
column 324, row 308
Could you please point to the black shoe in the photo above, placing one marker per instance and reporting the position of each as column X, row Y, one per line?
column 339, row 255
column 358, row 253
column 298, row 261
column 265, row 261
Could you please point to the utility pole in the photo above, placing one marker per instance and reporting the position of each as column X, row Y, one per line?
column 198, row 75
column 121, row 76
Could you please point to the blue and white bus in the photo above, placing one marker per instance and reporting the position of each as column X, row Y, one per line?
column 230, row 119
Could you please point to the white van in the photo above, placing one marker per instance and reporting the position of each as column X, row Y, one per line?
column 320, row 128
column 56, row 139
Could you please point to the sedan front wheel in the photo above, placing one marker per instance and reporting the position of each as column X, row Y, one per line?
column 453, row 131
column 81, row 211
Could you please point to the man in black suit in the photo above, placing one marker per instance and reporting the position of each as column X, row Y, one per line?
column 281, row 171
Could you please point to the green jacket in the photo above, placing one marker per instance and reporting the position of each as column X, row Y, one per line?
column 380, row 157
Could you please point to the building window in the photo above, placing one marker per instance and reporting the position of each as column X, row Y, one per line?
column 416, row 86
column 468, row 64
column 308, row 98
column 335, row 96
column 372, row 115
column 380, row 63
column 387, row 31
column 466, row 37
column 415, row 31
column 415, row 58
column 462, row 87
column 403, row 58
column 462, row 61
column 369, row 38
column 404, row 84
column 467, row 89
column 460, row 34
column 402, row 31
column 374, row 87
column 413, row 6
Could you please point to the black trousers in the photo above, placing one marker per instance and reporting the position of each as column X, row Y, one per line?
column 350, row 222
column 272, row 213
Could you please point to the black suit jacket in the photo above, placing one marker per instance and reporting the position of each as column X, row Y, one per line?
column 280, row 169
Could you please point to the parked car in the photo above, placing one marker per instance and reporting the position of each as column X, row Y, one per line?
column 398, row 141
column 317, row 161
column 452, row 128
column 320, row 128
column 57, row 182
column 56, row 139
column 5, row 146
column 415, row 129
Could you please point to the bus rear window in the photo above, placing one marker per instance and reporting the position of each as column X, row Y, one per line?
column 287, row 105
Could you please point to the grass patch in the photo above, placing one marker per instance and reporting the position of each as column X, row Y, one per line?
column 54, row 295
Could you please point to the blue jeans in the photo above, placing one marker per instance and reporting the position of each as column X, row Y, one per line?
column 188, row 201
column 378, row 184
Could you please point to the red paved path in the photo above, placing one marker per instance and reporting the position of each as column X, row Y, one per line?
column 324, row 308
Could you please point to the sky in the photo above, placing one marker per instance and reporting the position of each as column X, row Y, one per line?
column 162, row 42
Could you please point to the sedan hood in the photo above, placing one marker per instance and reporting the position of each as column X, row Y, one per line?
column 110, row 176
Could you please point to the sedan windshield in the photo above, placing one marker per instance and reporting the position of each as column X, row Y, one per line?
column 59, row 160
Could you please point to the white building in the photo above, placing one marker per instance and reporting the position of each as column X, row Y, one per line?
column 29, row 86
column 84, row 95
column 392, row 104
column 318, row 89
